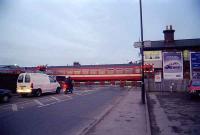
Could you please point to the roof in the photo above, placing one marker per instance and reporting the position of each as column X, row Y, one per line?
column 161, row 44
column 95, row 66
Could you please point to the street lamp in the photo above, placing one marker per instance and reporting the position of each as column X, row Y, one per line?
column 142, row 53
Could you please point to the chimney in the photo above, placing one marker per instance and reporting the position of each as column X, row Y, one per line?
column 169, row 34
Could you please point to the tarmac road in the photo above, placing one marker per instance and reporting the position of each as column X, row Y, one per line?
column 54, row 114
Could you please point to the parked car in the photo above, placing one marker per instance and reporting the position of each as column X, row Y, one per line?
column 36, row 84
column 5, row 95
column 194, row 88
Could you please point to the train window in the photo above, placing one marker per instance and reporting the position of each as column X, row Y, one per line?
column 137, row 70
column 93, row 71
column 110, row 71
column 61, row 71
column 101, row 71
column 77, row 72
column 128, row 71
column 85, row 71
column 119, row 71
column 69, row 72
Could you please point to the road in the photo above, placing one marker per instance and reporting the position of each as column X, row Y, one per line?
column 54, row 114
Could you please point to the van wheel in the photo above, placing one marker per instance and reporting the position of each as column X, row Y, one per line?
column 23, row 95
column 38, row 93
column 58, row 90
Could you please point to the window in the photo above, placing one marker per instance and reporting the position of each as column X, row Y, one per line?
column 128, row 71
column 77, row 72
column 119, row 71
column 110, row 71
column 101, row 71
column 20, row 79
column 93, row 71
column 69, row 72
column 27, row 78
column 52, row 80
column 85, row 71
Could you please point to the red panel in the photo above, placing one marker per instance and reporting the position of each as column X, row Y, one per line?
column 108, row 78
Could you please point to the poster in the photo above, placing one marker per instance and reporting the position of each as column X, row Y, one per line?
column 158, row 77
column 152, row 55
column 172, row 65
column 195, row 65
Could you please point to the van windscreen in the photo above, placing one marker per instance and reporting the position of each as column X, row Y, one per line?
column 27, row 78
column 20, row 78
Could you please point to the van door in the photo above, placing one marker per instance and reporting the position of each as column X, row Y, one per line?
column 47, row 84
column 53, row 83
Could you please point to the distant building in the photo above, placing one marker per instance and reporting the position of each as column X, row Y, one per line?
column 11, row 69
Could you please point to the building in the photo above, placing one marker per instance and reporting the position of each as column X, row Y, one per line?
column 171, row 59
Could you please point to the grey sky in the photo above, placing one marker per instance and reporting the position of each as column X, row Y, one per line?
column 59, row 32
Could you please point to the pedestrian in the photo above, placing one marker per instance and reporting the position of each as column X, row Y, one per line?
column 70, row 85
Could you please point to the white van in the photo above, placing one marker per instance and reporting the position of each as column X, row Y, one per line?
column 36, row 84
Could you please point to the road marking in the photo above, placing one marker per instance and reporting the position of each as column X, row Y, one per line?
column 38, row 102
column 14, row 107
column 68, row 96
column 78, row 93
column 47, row 104
column 57, row 99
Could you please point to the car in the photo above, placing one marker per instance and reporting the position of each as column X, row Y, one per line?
column 194, row 88
column 173, row 65
column 36, row 84
column 5, row 95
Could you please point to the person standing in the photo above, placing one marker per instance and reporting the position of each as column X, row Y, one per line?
column 70, row 85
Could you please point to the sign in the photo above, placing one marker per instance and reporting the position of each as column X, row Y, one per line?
column 139, row 44
column 172, row 65
column 195, row 65
column 158, row 77
column 152, row 55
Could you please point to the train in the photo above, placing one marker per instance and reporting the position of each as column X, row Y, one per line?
column 109, row 72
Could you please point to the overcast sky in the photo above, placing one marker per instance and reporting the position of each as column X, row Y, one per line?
column 59, row 32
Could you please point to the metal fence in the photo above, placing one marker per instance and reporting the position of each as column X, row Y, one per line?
column 166, row 85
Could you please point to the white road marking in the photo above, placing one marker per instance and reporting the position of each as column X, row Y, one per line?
column 47, row 104
column 57, row 99
column 68, row 96
column 78, row 93
column 14, row 107
column 38, row 102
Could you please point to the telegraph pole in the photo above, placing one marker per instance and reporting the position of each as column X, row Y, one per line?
column 142, row 53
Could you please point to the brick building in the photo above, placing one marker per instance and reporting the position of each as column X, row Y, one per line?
column 154, row 52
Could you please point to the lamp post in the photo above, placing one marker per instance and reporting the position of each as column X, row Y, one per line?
column 142, row 53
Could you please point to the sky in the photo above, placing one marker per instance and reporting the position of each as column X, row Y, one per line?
column 59, row 32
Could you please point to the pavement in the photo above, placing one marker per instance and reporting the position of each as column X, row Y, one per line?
column 128, row 117
column 174, row 113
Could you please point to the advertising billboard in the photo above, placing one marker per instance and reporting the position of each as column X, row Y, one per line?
column 195, row 65
column 153, row 57
column 172, row 65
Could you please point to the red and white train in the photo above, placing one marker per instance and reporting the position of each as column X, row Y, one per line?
column 111, row 72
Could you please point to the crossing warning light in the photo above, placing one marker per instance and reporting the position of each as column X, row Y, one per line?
column 148, row 68
column 42, row 68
